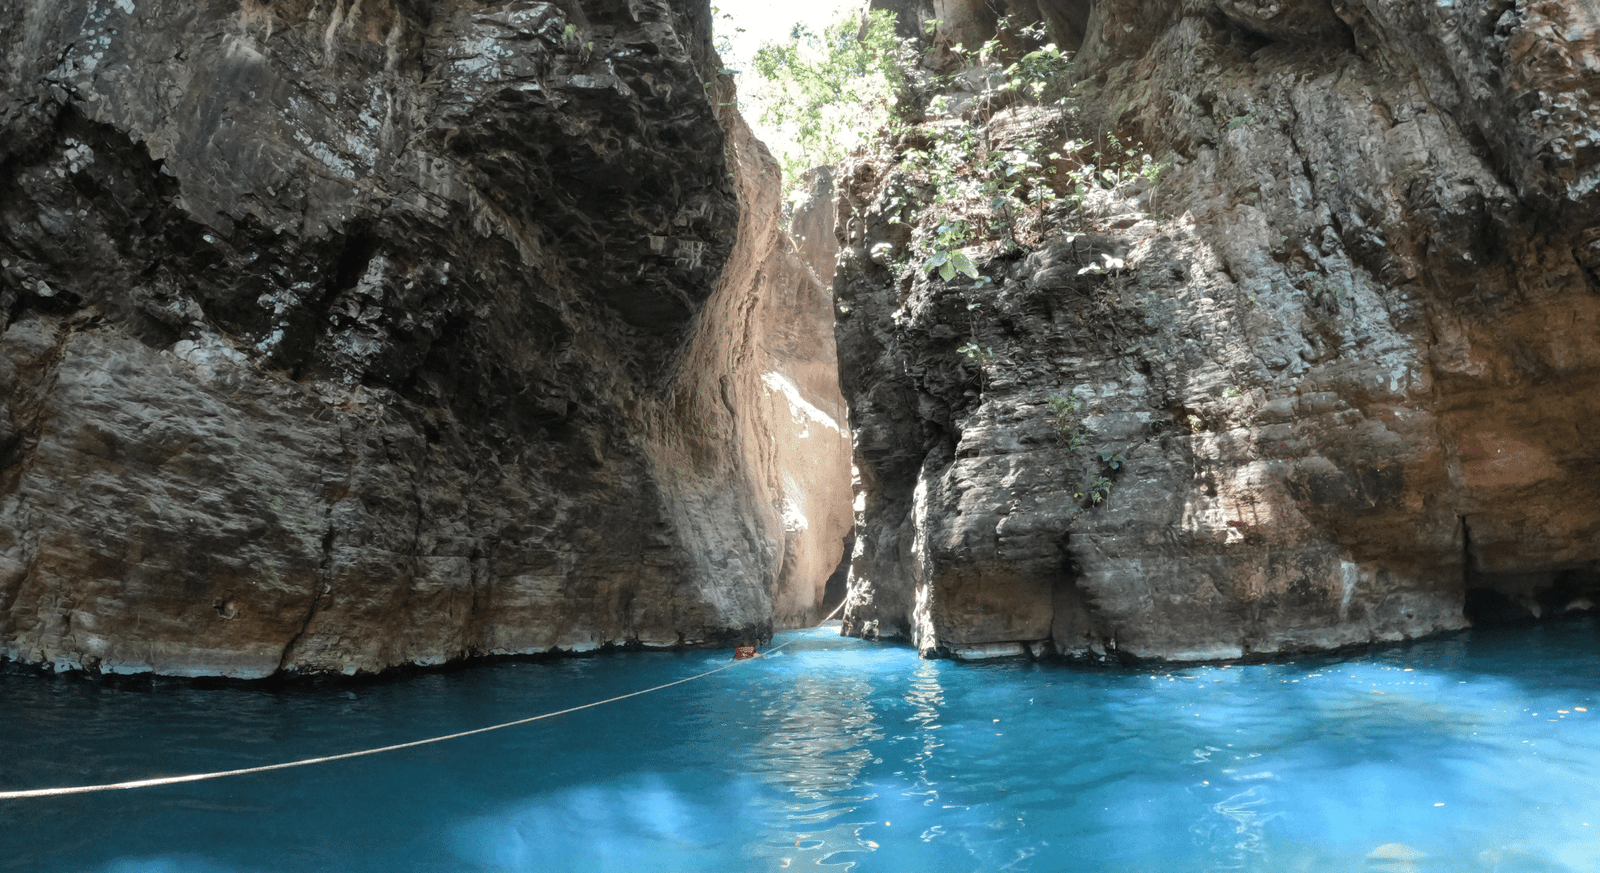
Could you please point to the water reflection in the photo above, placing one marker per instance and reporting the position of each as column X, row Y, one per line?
column 824, row 734
column 820, row 737
column 1473, row 754
column 926, row 698
column 622, row 826
column 1242, row 841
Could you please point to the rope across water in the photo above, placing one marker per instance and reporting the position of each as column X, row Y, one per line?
column 201, row 777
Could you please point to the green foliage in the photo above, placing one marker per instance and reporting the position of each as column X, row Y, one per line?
column 981, row 355
column 949, row 263
column 974, row 193
column 945, row 254
column 828, row 90
column 1066, row 419
column 724, row 41
column 1063, row 409
column 833, row 91
column 979, row 196
column 1043, row 74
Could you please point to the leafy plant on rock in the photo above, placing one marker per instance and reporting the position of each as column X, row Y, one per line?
column 974, row 352
column 945, row 253
column 1043, row 74
column 968, row 197
column 1066, row 419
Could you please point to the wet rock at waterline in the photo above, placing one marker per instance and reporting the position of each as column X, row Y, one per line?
column 1330, row 379
column 340, row 336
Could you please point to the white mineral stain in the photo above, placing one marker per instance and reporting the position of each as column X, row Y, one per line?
column 801, row 408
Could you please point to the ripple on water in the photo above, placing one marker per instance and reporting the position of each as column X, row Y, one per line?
column 1474, row 753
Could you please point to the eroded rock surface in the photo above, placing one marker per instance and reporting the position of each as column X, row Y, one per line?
column 340, row 335
column 1343, row 348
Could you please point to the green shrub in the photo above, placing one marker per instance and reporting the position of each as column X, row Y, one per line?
column 1066, row 420
column 830, row 91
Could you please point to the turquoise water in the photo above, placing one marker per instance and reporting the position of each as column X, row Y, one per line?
column 1479, row 752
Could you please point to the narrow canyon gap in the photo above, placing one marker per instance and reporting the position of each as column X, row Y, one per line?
column 337, row 335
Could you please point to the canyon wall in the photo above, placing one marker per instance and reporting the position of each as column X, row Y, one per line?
column 337, row 335
column 1328, row 379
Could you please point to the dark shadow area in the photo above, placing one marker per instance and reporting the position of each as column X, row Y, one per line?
column 1497, row 599
column 834, row 591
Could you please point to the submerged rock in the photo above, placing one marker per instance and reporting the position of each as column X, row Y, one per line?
column 336, row 336
column 1329, row 373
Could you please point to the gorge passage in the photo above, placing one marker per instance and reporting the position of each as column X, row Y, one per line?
column 341, row 335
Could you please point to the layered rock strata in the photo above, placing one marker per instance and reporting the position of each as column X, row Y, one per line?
column 1327, row 381
column 342, row 335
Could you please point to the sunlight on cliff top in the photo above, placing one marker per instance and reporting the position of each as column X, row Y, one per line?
column 743, row 27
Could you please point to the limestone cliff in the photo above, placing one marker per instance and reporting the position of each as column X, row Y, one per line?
column 343, row 334
column 1336, row 369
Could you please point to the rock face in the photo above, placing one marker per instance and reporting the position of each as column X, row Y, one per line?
column 343, row 334
column 1334, row 374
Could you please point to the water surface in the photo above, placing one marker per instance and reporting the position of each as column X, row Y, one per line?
column 1477, row 752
